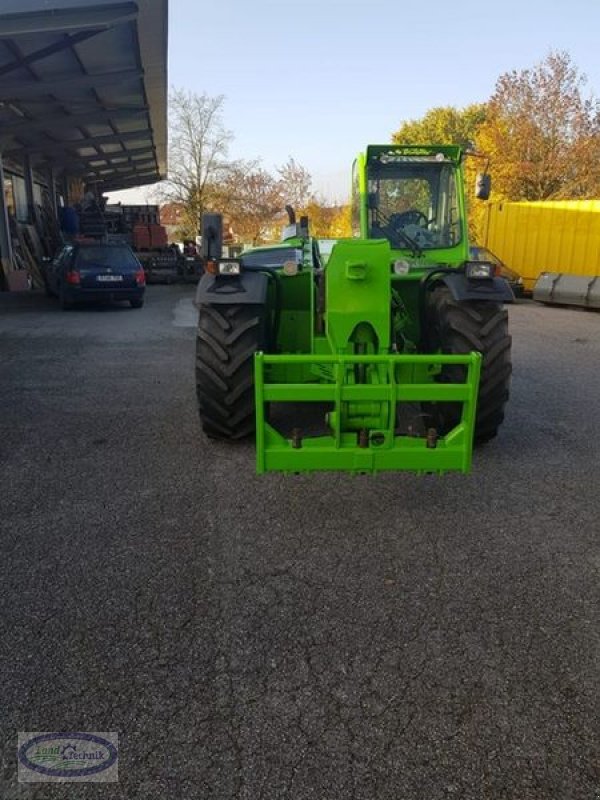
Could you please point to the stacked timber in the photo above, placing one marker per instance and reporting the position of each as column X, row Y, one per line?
column 31, row 243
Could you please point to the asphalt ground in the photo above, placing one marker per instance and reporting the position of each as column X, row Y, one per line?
column 313, row 637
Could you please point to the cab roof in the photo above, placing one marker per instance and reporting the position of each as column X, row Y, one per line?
column 394, row 153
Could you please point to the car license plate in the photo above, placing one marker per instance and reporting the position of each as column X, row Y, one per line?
column 110, row 278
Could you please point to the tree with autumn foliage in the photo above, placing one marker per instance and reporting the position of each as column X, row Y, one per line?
column 542, row 133
column 327, row 221
column 250, row 199
column 539, row 129
column 253, row 199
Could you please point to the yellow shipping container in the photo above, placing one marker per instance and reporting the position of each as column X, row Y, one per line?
column 545, row 236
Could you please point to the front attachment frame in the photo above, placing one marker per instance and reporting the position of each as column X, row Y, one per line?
column 400, row 379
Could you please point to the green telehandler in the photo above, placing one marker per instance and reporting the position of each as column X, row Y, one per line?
column 392, row 355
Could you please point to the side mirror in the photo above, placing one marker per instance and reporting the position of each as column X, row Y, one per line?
column 303, row 227
column 212, row 236
column 483, row 186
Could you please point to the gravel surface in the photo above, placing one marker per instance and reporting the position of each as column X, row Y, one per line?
column 316, row 637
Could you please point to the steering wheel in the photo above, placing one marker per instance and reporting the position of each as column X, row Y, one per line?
column 411, row 217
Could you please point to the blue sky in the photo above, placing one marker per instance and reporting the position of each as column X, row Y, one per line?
column 320, row 79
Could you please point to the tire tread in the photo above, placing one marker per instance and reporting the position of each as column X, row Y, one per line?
column 228, row 337
column 482, row 326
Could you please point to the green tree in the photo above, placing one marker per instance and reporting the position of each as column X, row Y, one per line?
column 443, row 125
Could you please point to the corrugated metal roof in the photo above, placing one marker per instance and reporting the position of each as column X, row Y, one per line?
column 83, row 87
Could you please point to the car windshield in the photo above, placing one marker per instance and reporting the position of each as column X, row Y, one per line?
column 414, row 205
column 98, row 256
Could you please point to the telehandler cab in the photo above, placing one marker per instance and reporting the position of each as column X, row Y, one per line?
column 398, row 345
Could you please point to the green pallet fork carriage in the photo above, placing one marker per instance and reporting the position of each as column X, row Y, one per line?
column 359, row 443
column 392, row 354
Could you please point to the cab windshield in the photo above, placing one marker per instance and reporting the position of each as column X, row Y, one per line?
column 414, row 205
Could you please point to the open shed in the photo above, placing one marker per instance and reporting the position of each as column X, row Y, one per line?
column 83, row 102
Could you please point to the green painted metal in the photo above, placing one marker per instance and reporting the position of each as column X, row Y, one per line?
column 381, row 449
column 348, row 336
column 358, row 291
column 451, row 256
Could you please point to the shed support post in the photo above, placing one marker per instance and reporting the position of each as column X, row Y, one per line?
column 32, row 211
column 5, row 240
column 65, row 189
column 52, row 190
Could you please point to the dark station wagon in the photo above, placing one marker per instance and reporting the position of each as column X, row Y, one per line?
column 95, row 271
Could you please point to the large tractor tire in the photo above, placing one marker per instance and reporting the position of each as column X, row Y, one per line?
column 458, row 328
column 228, row 337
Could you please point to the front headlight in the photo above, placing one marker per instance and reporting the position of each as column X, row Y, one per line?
column 479, row 270
column 229, row 267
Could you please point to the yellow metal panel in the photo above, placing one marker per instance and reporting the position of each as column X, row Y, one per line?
column 546, row 236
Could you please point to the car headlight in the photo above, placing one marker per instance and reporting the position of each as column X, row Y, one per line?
column 229, row 267
column 479, row 270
